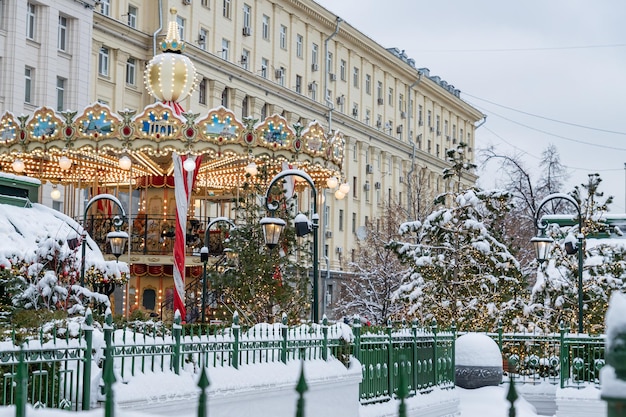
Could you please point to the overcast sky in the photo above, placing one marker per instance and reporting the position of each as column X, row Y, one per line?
column 522, row 63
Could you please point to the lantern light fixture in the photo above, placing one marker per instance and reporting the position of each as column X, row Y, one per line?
column 55, row 193
column 344, row 188
column 190, row 164
column 18, row 166
column 272, row 228
column 65, row 163
column 339, row 195
column 125, row 162
column 332, row 182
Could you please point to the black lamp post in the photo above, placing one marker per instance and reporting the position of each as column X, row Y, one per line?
column 117, row 239
column 204, row 257
column 543, row 244
column 272, row 228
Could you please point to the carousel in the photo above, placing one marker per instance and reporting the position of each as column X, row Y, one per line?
column 176, row 169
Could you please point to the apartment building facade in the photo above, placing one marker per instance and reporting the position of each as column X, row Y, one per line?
column 257, row 58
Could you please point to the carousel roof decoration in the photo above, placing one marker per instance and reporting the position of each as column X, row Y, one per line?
column 76, row 147
column 171, row 76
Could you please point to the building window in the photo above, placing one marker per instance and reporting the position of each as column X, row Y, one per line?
column 60, row 94
column 281, row 72
column 181, row 27
column 132, row 16
column 329, row 62
column 430, row 118
column 30, row 21
column 342, row 70
column 353, row 222
column 225, row 49
column 225, row 95
column 226, row 10
column 299, row 45
column 390, row 96
column 313, row 90
column 245, row 59
column 355, row 77
column 202, row 91
column 264, row 111
column 299, row 84
column 103, row 61
column 401, row 102
column 341, row 220
column 420, row 115
column 368, row 116
column 28, row 85
column 131, row 71
column 283, row 37
column 62, row 35
column 203, row 36
column 437, row 125
column 379, row 91
column 105, row 7
column 314, row 53
column 264, row 66
column 354, row 152
column 368, row 84
column 354, row 187
column 266, row 27
column 247, row 16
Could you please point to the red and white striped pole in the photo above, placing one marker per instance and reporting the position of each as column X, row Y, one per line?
column 183, row 186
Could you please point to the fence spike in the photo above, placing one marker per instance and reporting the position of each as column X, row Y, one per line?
column 301, row 388
column 203, row 383
column 511, row 396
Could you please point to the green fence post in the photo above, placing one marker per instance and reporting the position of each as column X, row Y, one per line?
column 511, row 395
column 564, row 354
column 433, row 328
column 414, row 377
column 203, row 383
column 325, row 340
column 453, row 370
column 176, row 330
column 283, row 347
column 109, row 376
column 236, row 329
column 390, row 359
column 21, row 388
column 403, row 392
column 88, row 331
column 500, row 331
column 357, row 337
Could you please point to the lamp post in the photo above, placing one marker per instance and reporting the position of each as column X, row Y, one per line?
column 272, row 227
column 204, row 257
column 117, row 239
column 543, row 244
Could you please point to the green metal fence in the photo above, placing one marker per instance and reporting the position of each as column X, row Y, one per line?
column 564, row 359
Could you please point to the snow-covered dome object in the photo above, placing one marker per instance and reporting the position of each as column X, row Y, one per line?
column 478, row 361
column 171, row 76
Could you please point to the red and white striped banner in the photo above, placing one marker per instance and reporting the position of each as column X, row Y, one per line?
column 183, row 186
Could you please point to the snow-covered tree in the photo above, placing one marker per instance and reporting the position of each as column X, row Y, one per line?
column 554, row 297
column 375, row 273
column 264, row 283
column 459, row 270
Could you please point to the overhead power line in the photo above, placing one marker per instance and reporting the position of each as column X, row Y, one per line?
column 547, row 118
column 597, row 145
column 549, row 48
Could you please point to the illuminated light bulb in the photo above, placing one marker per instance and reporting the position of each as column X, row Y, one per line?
column 65, row 163
column 339, row 195
column 251, row 169
column 344, row 188
column 189, row 164
column 55, row 193
column 18, row 166
column 332, row 182
column 125, row 163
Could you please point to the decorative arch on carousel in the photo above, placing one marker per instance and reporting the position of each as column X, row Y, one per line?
column 97, row 137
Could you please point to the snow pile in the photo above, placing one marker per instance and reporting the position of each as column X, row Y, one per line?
column 612, row 386
column 475, row 349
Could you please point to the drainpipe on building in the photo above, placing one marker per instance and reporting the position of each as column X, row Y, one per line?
column 481, row 123
column 155, row 34
column 329, row 102
column 408, row 122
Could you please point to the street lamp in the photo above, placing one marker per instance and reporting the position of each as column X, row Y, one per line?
column 204, row 258
column 543, row 244
column 117, row 239
column 272, row 227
